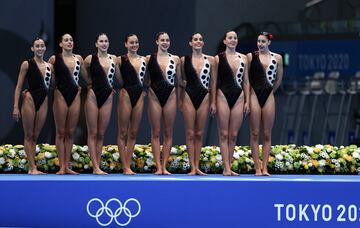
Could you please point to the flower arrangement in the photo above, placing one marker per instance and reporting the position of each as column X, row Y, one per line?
column 283, row 159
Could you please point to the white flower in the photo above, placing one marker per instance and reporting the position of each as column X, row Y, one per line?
column 75, row 156
column 110, row 149
column 149, row 154
column 23, row 161
column 21, row 153
column 149, row 162
column 310, row 164
column 248, row 160
column 2, row 161
column 218, row 157
column 319, row 146
column 173, row 151
column 37, row 149
column 287, row 164
column 186, row 166
column 205, row 159
column 279, row 157
column 12, row 153
column 146, row 167
column 236, row 155
column 47, row 154
column 84, row 148
column 9, row 167
column 41, row 162
column 21, row 166
column 217, row 165
column 324, row 155
column 322, row 163
column 356, row 155
column 174, row 164
column 241, row 152
column 279, row 165
column 116, row 156
column 86, row 166
column 310, row 150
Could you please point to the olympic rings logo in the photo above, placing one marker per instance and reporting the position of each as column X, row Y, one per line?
column 113, row 215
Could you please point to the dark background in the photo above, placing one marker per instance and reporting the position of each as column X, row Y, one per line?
column 299, row 28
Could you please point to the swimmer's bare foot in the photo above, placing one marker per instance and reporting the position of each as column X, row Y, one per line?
column 258, row 172
column 158, row 172
column 265, row 172
column 35, row 172
column 128, row 171
column 71, row 172
column 227, row 173
column 61, row 172
column 165, row 172
column 192, row 172
column 99, row 172
column 201, row 173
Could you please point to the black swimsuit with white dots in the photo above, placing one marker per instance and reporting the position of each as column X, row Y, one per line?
column 160, row 84
column 101, row 82
column 133, row 81
column 197, row 86
column 261, row 80
column 38, row 84
column 229, row 84
column 66, row 81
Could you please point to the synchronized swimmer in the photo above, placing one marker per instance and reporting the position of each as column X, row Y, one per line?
column 228, row 85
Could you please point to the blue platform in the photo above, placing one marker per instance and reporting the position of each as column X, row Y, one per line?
column 179, row 201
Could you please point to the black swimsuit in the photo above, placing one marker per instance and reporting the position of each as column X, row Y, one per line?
column 38, row 84
column 261, row 82
column 162, row 86
column 67, row 82
column 101, row 82
column 196, row 86
column 133, row 81
column 227, row 83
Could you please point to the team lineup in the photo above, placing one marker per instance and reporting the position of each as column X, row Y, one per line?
column 229, row 85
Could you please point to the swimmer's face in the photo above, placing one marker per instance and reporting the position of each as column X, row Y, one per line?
column 102, row 43
column 197, row 41
column 231, row 39
column 132, row 43
column 163, row 42
column 263, row 42
column 39, row 47
column 67, row 42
